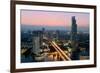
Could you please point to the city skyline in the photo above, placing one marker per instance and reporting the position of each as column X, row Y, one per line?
column 54, row 28
column 52, row 19
column 54, row 45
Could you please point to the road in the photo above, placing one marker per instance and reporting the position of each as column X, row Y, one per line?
column 60, row 51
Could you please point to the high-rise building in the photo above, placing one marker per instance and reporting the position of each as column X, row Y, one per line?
column 43, row 30
column 73, row 32
column 36, row 45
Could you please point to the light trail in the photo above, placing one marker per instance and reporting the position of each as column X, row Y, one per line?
column 58, row 52
column 58, row 48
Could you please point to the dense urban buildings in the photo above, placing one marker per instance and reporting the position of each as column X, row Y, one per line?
column 44, row 45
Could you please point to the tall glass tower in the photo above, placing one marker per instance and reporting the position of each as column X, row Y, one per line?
column 73, row 32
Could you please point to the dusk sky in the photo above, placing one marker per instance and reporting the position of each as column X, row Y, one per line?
column 50, row 18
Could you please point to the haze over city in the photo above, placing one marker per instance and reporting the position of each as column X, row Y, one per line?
column 32, row 19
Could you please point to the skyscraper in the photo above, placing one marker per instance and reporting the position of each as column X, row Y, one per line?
column 73, row 32
column 36, row 45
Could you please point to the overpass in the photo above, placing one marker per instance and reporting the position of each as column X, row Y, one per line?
column 60, row 52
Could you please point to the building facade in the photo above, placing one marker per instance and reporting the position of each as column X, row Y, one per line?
column 73, row 32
